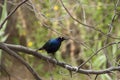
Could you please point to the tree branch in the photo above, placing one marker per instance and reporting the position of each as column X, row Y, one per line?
column 2, row 68
column 12, row 12
column 61, row 64
column 14, row 54
column 96, row 77
column 92, row 27
column 97, row 53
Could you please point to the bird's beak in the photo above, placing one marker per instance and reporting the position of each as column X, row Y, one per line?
column 65, row 38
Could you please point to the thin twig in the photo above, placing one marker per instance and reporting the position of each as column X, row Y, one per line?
column 12, row 12
column 2, row 68
column 92, row 27
column 109, row 32
column 96, row 77
column 97, row 53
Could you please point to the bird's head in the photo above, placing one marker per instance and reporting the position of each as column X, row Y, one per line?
column 62, row 38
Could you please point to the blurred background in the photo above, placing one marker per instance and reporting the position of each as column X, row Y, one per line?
column 37, row 21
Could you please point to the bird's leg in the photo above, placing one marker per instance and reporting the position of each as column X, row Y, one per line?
column 53, row 56
column 56, row 58
column 36, row 50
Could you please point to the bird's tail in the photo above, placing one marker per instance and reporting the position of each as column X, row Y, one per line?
column 39, row 49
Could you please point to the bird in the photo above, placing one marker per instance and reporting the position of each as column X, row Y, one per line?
column 52, row 45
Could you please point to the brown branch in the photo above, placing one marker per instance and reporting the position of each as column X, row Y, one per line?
column 92, row 27
column 97, row 53
column 14, row 54
column 2, row 68
column 61, row 64
column 12, row 12
column 96, row 77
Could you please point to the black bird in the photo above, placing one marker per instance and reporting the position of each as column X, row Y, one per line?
column 52, row 45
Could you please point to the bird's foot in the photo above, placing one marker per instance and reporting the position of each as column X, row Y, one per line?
column 56, row 60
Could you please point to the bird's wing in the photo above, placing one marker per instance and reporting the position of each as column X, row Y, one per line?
column 47, row 44
column 44, row 46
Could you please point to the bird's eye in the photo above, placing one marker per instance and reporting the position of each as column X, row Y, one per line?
column 62, row 38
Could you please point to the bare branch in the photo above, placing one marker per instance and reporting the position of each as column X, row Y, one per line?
column 61, row 64
column 97, row 53
column 96, row 77
column 12, row 12
column 2, row 68
column 92, row 27
column 14, row 54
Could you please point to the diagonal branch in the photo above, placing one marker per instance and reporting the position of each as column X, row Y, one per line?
column 97, row 53
column 61, row 64
column 12, row 12
column 2, row 68
column 14, row 54
column 92, row 27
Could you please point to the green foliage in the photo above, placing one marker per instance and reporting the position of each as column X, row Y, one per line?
column 97, row 13
column 3, row 37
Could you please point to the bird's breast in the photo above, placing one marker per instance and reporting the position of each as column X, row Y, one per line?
column 53, row 47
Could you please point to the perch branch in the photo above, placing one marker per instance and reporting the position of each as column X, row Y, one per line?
column 61, row 64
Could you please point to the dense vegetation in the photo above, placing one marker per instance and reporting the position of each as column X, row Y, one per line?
column 90, row 25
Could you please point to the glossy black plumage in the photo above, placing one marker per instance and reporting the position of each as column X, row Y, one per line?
column 52, row 45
